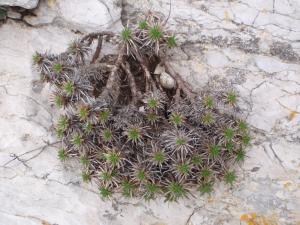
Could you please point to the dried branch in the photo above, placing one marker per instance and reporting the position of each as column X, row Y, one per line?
column 181, row 84
column 132, row 84
column 111, row 88
column 149, row 81
column 98, row 49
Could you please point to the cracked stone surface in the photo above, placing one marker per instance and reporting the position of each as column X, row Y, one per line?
column 251, row 45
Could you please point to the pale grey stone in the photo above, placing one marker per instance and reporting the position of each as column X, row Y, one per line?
column 27, row 4
column 46, row 13
column 14, row 15
column 216, row 59
column 223, row 42
column 86, row 16
column 167, row 81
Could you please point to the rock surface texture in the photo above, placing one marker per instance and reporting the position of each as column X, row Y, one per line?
column 27, row 4
column 251, row 45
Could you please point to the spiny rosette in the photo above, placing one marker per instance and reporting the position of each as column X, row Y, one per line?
column 130, row 134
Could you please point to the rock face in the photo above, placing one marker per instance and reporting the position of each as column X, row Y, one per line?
column 84, row 16
column 249, row 45
column 27, row 4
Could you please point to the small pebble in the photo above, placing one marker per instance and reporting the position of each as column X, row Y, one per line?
column 167, row 81
column 14, row 15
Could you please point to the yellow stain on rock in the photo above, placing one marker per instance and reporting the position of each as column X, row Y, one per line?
column 51, row 3
column 210, row 199
column 254, row 219
column 198, row 66
column 287, row 184
column 45, row 222
column 293, row 115
column 226, row 16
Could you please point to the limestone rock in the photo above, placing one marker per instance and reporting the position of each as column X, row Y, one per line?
column 85, row 16
column 14, row 15
column 250, row 45
column 90, row 13
column 27, row 4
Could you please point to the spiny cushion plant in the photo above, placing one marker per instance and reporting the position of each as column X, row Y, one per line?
column 129, row 133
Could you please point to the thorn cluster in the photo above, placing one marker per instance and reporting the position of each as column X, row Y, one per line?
column 129, row 133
